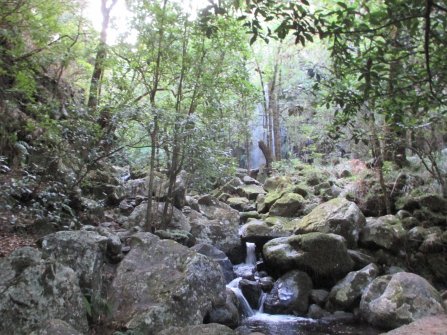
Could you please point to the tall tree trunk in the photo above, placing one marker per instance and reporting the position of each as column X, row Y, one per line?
column 150, row 216
column 275, row 108
column 101, row 53
column 268, row 156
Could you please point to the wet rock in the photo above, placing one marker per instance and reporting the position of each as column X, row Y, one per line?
column 251, row 291
column 319, row 297
column 259, row 232
column 159, row 281
column 324, row 256
column 338, row 216
column 219, row 256
column 316, row 312
column 227, row 314
column 384, row 232
column 394, row 300
column 266, row 283
column 347, row 292
column 35, row 290
column 208, row 329
column 290, row 294
column 288, row 205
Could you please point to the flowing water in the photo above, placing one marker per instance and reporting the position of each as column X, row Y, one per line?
column 257, row 321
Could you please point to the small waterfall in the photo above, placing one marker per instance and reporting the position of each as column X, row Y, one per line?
column 246, row 308
column 250, row 259
column 261, row 302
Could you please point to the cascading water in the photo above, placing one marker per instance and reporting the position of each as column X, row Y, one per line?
column 258, row 321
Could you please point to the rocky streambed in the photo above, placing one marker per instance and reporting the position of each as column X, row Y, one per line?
column 317, row 264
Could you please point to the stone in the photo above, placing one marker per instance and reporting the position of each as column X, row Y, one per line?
column 180, row 236
column 347, row 292
column 250, row 181
column 219, row 256
column 249, row 215
column 277, row 183
column 394, row 300
column 83, row 251
column 323, row 256
column 430, row 325
column 251, row 291
column 178, row 220
column 289, row 205
column 207, row 329
column 34, row 290
column 238, row 203
column 384, row 232
column 337, row 216
column 290, row 294
column 159, row 281
column 228, row 314
column 319, row 296
column 259, row 232
column 316, row 312
column 250, row 191
column 55, row 327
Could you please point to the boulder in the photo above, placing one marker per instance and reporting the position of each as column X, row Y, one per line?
column 259, row 232
column 290, row 294
column 385, row 232
column 228, row 314
column 83, row 251
column 159, row 281
column 430, row 325
column 251, row 291
column 250, row 191
column 180, row 236
column 337, row 216
column 323, row 256
column 347, row 292
column 250, row 181
column 289, row 205
column 277, row 183
column 55, row 327
column 219, row 256
column 238, row 203
column 208, row 329
column 394, row 300
column 319, row 296
column 178, row 220
column 34, row 290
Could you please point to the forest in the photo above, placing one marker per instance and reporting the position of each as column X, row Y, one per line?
column 223, row 167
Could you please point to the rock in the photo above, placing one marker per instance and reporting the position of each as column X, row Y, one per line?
column 338, row 216
column 394, row 300
column 430, row 325
column 277, row 183
column 323, row 256
column 251, row 291
column 159, row 281
column 347, row 292
column 432, row 202
column 208, row 329
column 179, row 236
column 266, row 283
column 318, row 297
column 250, row 191
column 217, row 224
column 219, row 256
column 34, row 290
column 228, row 314
column 259, row 232
column 249, row 215
column 238, row 203
column 55, row 327
column 178, row 221
column 250, row 181
column 290, row 294
column 432, row 243
column 361, row 259
column 316, row 312
column 290, row 204
column 385, row 232
column 83, row 251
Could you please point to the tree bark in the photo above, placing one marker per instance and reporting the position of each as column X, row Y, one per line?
column 268, row 156
column 98, row 68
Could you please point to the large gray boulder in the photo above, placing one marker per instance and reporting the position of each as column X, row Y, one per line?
column 219, row 256
column 55, row 327
column 208, row 329
column 83, row 251
column 290, row 294
column 347, row 292
column 161, row 283
column 385, row 232
column 34, row 290
column 259, row 232
column 178, row 220
column 216, row 224
column 289, row 205
column 323, row 256
column 337, row 216
column 394, row 300
column 227, row 314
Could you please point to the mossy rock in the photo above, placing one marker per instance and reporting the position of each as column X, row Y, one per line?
column 251, row 192
column 289, row 205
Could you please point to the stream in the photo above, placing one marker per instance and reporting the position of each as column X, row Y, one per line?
column 255, row 320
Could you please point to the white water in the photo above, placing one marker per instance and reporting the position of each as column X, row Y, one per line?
column 250, row 259
column 246, row 308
